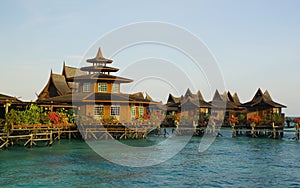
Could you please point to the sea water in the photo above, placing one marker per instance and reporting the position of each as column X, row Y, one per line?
column 236, row 162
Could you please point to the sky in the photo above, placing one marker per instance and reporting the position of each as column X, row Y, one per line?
column 255, row 42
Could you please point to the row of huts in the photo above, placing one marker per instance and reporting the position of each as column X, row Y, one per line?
column 94, row 92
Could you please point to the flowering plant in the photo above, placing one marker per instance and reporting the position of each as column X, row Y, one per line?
column 54, row 117
column 233, row 120
column 296, row 120
column 255, row 119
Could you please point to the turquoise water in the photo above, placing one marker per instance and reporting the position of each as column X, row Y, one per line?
column 237, row 162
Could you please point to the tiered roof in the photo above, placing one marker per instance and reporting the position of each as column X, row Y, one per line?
column 99, row 64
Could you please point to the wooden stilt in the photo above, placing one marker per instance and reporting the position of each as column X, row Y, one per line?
column 297, row 131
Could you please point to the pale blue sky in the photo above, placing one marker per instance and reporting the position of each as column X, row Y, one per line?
column 255, row 42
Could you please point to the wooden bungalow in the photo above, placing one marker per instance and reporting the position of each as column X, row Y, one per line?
column 173, row 104
column 226, row 105
column 263, row 105
column 190, row 105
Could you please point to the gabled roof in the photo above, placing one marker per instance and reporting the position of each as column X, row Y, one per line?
column 172, row 99
column 102, row 77
column 147, row 97
column 56, row 86
column 261, row 98
column 188, row 93
column 217, row 96
column 224, row 100
column 71, row 72
column 137, row 96
column 199, row 95
column 236, row 99
column 189, row 101
column 99, row 58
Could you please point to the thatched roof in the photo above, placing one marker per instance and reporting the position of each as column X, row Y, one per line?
column 99, row 58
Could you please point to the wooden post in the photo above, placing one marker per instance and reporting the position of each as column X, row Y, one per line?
column 297, row 131
column 51, row 138
column 6, row 106
column 31, row 140
column 274, row 130
column 233, row 131
column 252, row 130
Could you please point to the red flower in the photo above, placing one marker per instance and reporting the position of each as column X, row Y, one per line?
column 296, row 120
column 233, row 120
column 54, row 117
column 255, row 119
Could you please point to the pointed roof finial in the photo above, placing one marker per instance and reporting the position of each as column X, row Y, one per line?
column 99, row 53
column 99, row 58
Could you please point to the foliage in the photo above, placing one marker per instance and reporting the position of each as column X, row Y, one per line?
column 34, row 114
column 277, row 119
column 242, row 118
column 12, row 118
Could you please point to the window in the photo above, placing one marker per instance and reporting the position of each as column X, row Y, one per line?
column 98, row 110
column 102, row 87
column 276, row 110
column 86, row 87
column 115, row 110
column 115, row 88
column 141, row 111
column 133, row 112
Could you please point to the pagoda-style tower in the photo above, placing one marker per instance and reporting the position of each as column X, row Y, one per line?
column 99, row 65
column 100, row 95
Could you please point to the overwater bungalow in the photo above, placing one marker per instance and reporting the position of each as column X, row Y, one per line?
column 188, row 107
column 262, row 105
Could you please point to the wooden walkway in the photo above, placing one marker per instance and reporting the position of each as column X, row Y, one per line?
column 264, row 131
column 30, row 135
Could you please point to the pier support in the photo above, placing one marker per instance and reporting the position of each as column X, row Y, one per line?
column 297, row 131
column 233, row 131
